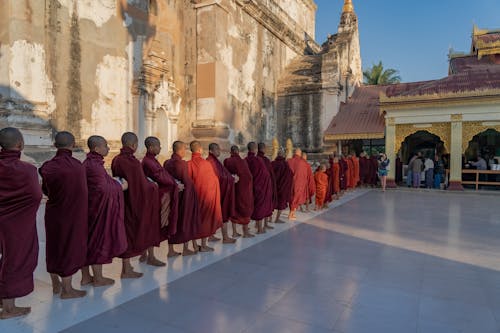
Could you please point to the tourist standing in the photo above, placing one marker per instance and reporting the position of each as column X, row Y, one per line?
column 383, row 167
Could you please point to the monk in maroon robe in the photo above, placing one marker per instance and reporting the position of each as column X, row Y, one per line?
column 374, row 170
column 188, row 221
column 142, row 207
column 168, row 190
column 262, row 188
column 66, row 216
column 107, row 237
column 226, row 183
column 284, row 182
column 330, row 189
column 262, row 154
column 363, row 168
column 20, row 197
column 311, row 185
column 207, row 188
column 344, row 169
column 300, row 192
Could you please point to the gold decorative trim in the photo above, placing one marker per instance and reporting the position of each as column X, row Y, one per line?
column 456, row 117
column 443, row 130
column 472, row 128
column 390, row 121
column 355, row 136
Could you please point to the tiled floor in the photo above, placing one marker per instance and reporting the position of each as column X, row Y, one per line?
column 398, row 261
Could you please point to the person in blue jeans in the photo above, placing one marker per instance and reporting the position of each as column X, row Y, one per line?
column 438, row 172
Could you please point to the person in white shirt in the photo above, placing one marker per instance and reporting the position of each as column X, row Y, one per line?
column 429, row 172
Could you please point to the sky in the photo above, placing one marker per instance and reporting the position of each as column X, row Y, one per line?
column 413, row 37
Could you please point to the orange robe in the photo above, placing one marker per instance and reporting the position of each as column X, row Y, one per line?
column 321, row 179
column 355, row 161
column 300, row 192
column 206, row 184
column 311, row 186
column 336, row 178
column 350, row 173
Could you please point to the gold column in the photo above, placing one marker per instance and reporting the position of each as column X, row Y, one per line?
column 390, row 149
column 456, row 154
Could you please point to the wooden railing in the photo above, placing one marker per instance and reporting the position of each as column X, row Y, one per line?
column 477, row 182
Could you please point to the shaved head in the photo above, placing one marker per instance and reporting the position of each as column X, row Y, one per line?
column 64, row 140
column 177, row 145
column 262, row 147
column 95, row 141
column 252, row 146
column 298, row 152
column 235, row 149
column 129, row 139
column 151, row 141
column 195, row 146
column 11, row 139
column 213, row 146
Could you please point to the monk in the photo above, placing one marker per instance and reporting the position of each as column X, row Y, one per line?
column 311, row 187
column 300, row 190
column 207, row 188
column 374, row 169
column 336, row 177
column 262, row 154
column 344, row 173
column 142, row 218
column 188, row 221
column 20, row 197
column 356, row 176
column 226, row 182
column 350, row 172
column 107, row 236
column 284, row 182
column 168, row 191
column 243, row 192
column 321, row 180
column 329, row 173
column 64, row 181
column 363, row 169
column 262, row 188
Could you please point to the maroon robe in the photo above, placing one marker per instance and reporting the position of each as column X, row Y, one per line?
column 168, row 194
column 284, row 182
column 142, row 207
column 344, row 169
column 373, row 170
column 311, row 185
column 243, row 188
column 188, row 221
column 20, row 197
column 330, row 188
column 363, row 170
column 226, row 183
column 262, row 188
column 269, row 167
column 107, row 236
column 66, row 213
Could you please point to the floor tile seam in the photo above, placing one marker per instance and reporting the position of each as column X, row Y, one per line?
column 297, row 321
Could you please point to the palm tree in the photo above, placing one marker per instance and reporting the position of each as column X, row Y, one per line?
column 378, row 75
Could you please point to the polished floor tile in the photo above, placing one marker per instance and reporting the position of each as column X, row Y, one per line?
column 398, row 261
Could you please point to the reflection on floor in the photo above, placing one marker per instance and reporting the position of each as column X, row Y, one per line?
column 51, row 314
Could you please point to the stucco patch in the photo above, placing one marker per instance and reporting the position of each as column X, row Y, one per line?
column 97, row 11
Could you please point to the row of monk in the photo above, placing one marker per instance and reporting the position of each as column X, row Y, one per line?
column 92, row 217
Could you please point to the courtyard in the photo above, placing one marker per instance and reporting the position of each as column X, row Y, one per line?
column 399, row 261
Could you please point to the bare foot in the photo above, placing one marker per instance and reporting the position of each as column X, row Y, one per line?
column 229, row 241
column 248, row 235
column 260, row 232
column 86, row 281
column 236, row 235
column 155, row 262
column 103, row 282
column 188, row 252
column 143, row 256
column 14, row 312
column 56, row 288
column 205, row 249
column 73, row 293
column 173, row 254
column 279, row 221
column 131, row 275
column 213, row 239
column 268, row 227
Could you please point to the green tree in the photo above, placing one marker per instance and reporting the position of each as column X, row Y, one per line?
column 378, row 75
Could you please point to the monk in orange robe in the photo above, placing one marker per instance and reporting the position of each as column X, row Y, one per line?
column 300, row 191
column 350, row 172
column 336, row 177
column 355, row 161
column 311, row 186
column 206, row 184
column 20, row 196
column 321, row 180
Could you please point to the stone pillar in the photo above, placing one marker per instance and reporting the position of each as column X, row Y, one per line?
column 390, row 150
column 456, row 154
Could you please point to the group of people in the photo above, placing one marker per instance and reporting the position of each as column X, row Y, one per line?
column 425, row 168
column 92, row 217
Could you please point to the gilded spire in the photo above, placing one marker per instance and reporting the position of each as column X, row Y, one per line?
column 348, row 7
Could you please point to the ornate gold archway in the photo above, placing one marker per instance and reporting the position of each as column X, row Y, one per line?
column 472, row 128
column 442, row 130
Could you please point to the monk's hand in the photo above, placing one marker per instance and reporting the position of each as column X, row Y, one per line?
column 180, row 186
column 236, row 178
column 124, row 185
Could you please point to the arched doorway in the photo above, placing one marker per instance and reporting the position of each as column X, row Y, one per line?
column 421, row 141
column 486, row 144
